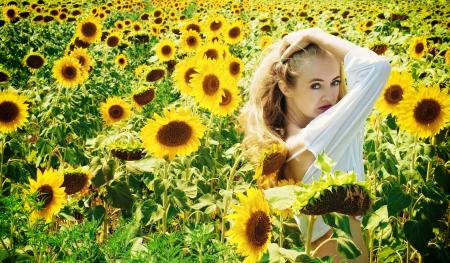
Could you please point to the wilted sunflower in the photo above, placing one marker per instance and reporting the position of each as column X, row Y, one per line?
column 190, row 40
column 48, row 189
column 121, row 61
column 252, row 226
column 208, row 83
column 155, row 73
column 89, row 30
column 235, row 67
column 114, row 110
column 13, row 111
column 426, row 112
column 165, row 50
column 76, row 181
column 34, row 61
column 212, row 50
column 183, row 75
column 230, row 100
column 418, row 47
column 398, row 84
column 83, row 57
column 234, row 32
column 10, row 13
column 67, row 71
column 143, row 96
column 113, row 40
column 177, row 133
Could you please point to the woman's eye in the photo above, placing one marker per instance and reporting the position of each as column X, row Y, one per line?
column 336, row 82
column 314, row 85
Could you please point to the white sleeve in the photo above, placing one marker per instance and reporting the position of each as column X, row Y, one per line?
column 366, row 74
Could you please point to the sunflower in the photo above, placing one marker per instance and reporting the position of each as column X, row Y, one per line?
column 192, row 24
column 235, row 67
column 215, row 25
column 155, row 73
column 212, row 50
column 418, row 47
column 49, row 191
column 121, row 61
column 119, row 25
column 265, row 41
column 398, row 84
column 230, row 100
column 143, row 96
column 76, row 181
column 447, row 56
column 141, row 70
column 82, row 55
column 10, row 13
column 234, row 32
column 114, row 110
column 425, row 113
column 4, row 75
column 89, row 30
column 208, row 83
column 67, row 71
column 13, row 111
column 165, row 50
column 190, row 40
column 113, row 40
column 252, row 226
column 183, row 74
column 270, row 160
column 136, row 26
column 34, row 61
column 178, row 133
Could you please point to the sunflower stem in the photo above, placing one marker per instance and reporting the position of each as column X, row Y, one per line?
column 209, row 128
column 429, row 162
column 281, row 239
column 371, row 246
column 311, row 220
column 165, row 197
column 413, row 165
column 1, row 164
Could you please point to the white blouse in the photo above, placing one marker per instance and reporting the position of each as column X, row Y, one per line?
column 339, row 131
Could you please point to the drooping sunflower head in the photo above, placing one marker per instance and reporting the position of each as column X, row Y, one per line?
column 398, row 84
column 379, row 48
column 426, row 112
column 177, row 133
column 13, row 111
column 183, row 75
column 49, row 193
column 155, row 73
column 89, row 30
column 121, row 61
column 418, row 47
column 165, row 50
column 234, row 32
column 143, row 96
column 10, row 13
column 190, row 40
column 76, row 181
column 252, row 226
column 68, row 72
column 114, row 110
column 270, row 160
column 34, row 61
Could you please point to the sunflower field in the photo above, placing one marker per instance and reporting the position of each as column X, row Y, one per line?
column 120, row 138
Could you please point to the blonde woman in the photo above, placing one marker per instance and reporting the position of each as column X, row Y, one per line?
column 298, row 97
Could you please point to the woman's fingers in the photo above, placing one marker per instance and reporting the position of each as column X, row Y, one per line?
column 292, row 43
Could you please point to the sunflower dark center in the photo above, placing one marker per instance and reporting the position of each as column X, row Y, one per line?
column 145, row 97
column 426, row 111
column 45, row 194
column 8, row 111
column 69, row 72
column 11, row 13
column 88, row 29
column 193, row 27
column 188, row 75
column 214, row 26
column 235, row 68
column 137, row 27
column 191, row 41
column 34, row 61
column 112, row 41
column 212, row 54
column 226, row 98
column 394, row 94
column 81, row 60
column 3, row 77
column 175, row 133
column 166, row 50
column 258, row 228
column 74, row 182
column 273, row 162
column 369, row 24
column 116, row 111
column 211, row 84
column 419, row 48
column 234, row 32
column 155, row 75
column 121, row 61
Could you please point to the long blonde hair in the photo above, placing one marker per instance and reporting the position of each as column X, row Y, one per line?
column 262, row 118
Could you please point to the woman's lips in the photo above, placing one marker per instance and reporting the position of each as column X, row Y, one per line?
column 324, row 108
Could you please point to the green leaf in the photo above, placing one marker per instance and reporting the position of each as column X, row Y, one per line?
column 338, row 221
column 120, row 196
column 397, row 200
column 324, row 163
column 378, row 217
column 418, row 233
column 442, row 177
column 281, row 197
column 347, row 248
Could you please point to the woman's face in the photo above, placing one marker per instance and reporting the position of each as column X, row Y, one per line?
column 317, row 85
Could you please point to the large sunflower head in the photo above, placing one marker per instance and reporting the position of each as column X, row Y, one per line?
column 252, row 226
column 418, row 47
column 177, row 133
column 165, row 50
column 10, row 13
column 68, row 72
column 183, row 75
column 83, row 57
column 114, row 110
column 49, row 192
column 89, row 30
column 76, row 181
column 143, row 96
column 270, row 160
column 13, row 111
column 190, row 40
column 398, row 84
column 234, row 32
column 34, row 61
column 426, row 112
column 208, row 83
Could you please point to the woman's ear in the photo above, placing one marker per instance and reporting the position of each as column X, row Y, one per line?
column 284, row 88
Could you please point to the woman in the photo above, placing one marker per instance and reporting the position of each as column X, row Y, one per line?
column 299, row 98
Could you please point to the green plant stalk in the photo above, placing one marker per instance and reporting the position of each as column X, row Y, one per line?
column 311, row 220
column 430, row 163
column 371, row 246
column 281, row 239
column 1, row 164
column 413, row 165
column 208, row 129
column 165, row 201
column 7, row 250
column 226, row 200
column 105, row 224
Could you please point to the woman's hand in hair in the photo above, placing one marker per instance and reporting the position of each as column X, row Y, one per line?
column 296, row 41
